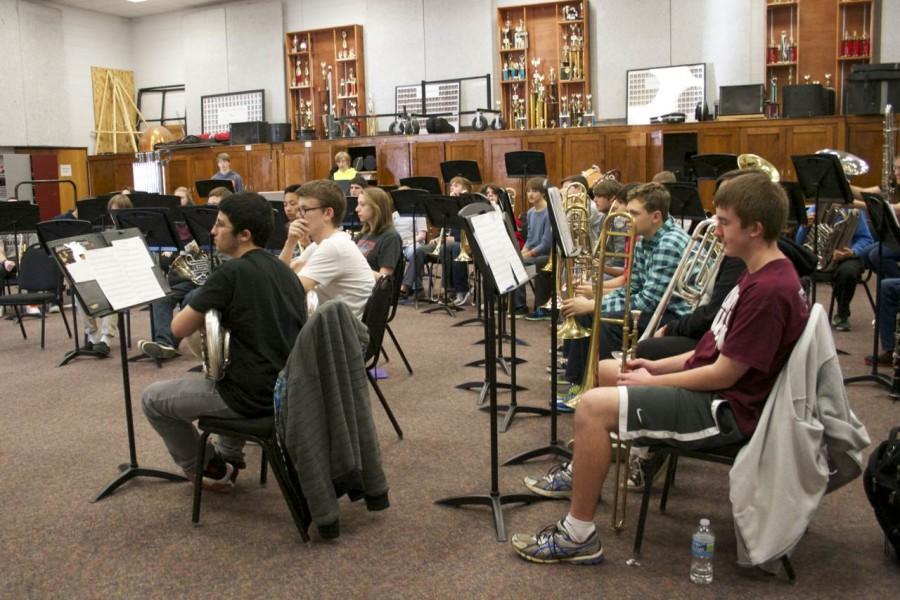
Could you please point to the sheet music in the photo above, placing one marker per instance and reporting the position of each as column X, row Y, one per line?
column 131, row 251
column 498, row 251
column 125, row 280
column 562, row 223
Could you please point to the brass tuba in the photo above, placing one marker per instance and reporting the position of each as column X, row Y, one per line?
column 753, row 161
column 695, row 275
column 629, row 323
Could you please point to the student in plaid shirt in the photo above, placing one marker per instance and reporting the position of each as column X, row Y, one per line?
column 656, row 256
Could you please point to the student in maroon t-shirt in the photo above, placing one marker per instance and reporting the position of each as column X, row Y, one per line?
column 709, row 397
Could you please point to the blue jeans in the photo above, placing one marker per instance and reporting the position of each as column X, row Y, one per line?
column 456, row 272
column 165, row 308
column 887, row 312
column 887, row 267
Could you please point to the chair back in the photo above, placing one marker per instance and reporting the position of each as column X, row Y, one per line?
column 38, row 271
column 375, row 316
column 398, row 283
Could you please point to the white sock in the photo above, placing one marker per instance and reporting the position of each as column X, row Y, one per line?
column 578, row 530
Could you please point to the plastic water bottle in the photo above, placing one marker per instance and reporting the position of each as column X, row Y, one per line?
column 703, row 546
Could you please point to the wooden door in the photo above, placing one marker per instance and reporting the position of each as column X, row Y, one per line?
column 551, row 146
column 427, row 158
column 807, row 139
column 768, row 142
column 468, row 150
column 294, row 164
column 495, row 150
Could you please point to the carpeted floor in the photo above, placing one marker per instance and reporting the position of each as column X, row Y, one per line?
column 63, row 434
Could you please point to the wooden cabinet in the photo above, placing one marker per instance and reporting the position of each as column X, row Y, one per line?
column 427, row 158
column 550, row 146
column 718, row 140
column 393, row 161
column 294, row 164
column 770, row 142
column 582, row 150
column 315, row 61
column 545, row 67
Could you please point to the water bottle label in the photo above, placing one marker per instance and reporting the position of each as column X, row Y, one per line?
column 701, row 549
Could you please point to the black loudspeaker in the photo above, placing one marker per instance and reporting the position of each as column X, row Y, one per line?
column 279, row 132
column 250, row 132
column 808, row 100
column 741, row 99
column 870, row 87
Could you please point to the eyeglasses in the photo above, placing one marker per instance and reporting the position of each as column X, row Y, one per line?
column 303, row 210
column 221, row 225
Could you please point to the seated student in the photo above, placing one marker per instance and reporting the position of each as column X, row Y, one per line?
column 664, row 177
column 357, row 185
column 655, row 258
column 331, row 264
column 164, row 344
column 887, row 322
column 187, row 199
column 845, row 276
column 290, row 201
column 605, row 192
column 712, row 396
column 223, row 161
column 413, row 231
column 493, row 192
column 379, row 242
column 885, row 264
column 537, row 251
column 263, row 306
column 100, row 331
column 342, row 170
column 457, row 272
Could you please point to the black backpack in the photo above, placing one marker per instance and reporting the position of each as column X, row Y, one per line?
column 882, row 484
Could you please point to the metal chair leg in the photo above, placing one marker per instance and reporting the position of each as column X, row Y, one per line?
column 198, row 476
column 263, row 468
column 43, row 322
column 670, row 478
column 384, row 404
column 399, row 349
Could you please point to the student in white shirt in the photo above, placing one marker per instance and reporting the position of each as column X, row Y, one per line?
column 331, row 264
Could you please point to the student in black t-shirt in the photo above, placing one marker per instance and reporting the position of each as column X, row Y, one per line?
column 379, row 242
column 707, row 398
column 263, row 305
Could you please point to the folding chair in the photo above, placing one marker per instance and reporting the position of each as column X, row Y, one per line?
column 40, row 282
column 395, row 299
column 375, row 318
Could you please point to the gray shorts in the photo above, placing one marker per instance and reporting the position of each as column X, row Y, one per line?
column 653, row 415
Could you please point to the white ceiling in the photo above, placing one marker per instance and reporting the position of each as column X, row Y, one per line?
column 123, row 8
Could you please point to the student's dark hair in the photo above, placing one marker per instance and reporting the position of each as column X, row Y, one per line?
column 754, row 198
column 250, row 211
column 498, row 190
column 622, row 194
column 578, row 179
column 664, row 177
column 360, row 181
column 536, row 184
column 654, row 197
column 220, row 192
column 292, row 189
column 607, row 188
column 329, row 195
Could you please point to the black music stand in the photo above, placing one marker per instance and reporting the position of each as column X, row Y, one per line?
column 160, row 235
column 351, row 220
column 47, row 232
column 409, row 203
column 442, row 212
column 553, row 447
column 686, row 204
column 884, row 222
column 460, row 168
column 172, row 203
column 93, row 210
column 494, row 498
column 712, row 166
column 821, row 177
column 131, row 469
column 429, row 184
column 796, row 203
column 200, row 221
column 469, row 198
column 525, row 164
column 18, row 217
column 280, row 225
column 205, row 186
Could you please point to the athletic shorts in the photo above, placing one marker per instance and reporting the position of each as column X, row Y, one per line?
column 654, row 415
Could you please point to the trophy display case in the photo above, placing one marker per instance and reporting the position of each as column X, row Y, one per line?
column 544, row 59
column 325, row 75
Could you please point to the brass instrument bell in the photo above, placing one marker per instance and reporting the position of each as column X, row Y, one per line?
column 754, row 161
column 850, row 163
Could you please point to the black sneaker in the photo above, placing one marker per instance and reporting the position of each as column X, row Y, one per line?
column 100, row 349
column 157, row 350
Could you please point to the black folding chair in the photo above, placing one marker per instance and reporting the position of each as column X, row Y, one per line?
column 375, row 318
column 395, row 300
column 40, row 282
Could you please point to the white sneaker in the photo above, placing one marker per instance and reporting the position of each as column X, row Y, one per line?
column 462, row 298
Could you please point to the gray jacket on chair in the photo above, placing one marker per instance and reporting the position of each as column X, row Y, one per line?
column 325, row 418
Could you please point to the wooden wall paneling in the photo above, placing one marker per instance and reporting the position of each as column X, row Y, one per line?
column 551, row 146
column 627, row 151
column 817, row 54
column 427, row 158
column 495, row 149
column 77, row 159
column 124, row 176
column 767, row 142
column 321, row 161
column 865, row 139
column 724, row 140
column 392, row 158
column 806, row 139
column 177, row 174
column 654, row 153
column 261, row 174
column 583, row 150
column 467, row 150
column 101, row 175
column 294, row 164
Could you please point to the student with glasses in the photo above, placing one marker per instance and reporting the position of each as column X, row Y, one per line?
column 330, row 264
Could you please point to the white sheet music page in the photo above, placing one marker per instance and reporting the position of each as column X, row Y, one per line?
column 498, row 251
column 124, row 276
column 555, row 201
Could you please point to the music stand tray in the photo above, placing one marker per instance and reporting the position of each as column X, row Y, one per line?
column 429, row 184
column 205, row 186
column 711, row 166
column 460, row 168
